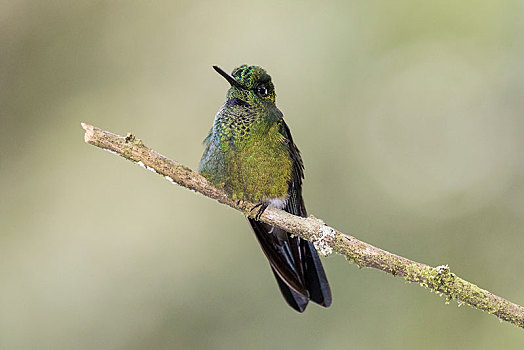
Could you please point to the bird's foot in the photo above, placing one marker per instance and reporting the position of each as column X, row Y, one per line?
column 262, row 206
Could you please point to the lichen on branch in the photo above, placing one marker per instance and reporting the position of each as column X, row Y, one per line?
column 325, row 238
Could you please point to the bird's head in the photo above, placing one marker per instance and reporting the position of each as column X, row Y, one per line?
column 250, row 85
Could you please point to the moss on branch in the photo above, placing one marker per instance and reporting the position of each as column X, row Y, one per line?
column 326, row 239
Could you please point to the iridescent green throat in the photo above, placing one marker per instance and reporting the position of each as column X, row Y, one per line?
column 246, row 153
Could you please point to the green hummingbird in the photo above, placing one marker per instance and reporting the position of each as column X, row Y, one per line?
column 250, row 153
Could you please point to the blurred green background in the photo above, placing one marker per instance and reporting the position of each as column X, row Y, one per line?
column 409, row 116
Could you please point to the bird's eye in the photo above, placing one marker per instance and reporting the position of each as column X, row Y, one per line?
column 261, row 90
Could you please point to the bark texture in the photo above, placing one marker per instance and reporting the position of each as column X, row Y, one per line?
column 326, row 239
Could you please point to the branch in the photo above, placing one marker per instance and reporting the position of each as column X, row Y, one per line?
column 325, row 238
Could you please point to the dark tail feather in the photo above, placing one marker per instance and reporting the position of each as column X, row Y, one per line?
column 295, row 300
column 316, row 280
column 296, row 266
column 279, row 255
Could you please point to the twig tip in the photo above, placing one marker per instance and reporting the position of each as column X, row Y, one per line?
column 89, row 131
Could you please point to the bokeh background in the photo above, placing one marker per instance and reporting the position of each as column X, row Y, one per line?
column 409, row 116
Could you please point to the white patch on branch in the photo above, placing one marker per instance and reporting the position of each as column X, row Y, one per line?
column 151, row 169
column 442, row 269
column 170, row 179
column 146, row 166
column 111, row 151
column 319, row 241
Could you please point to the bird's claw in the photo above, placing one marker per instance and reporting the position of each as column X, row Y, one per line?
column 262, row 206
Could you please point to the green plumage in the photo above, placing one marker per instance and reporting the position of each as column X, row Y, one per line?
column 246, row 152
column 251, row 155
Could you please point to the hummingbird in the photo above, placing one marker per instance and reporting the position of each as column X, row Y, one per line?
column 250, row 154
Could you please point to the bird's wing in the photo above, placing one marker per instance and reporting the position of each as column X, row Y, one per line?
column 294, row 261
column 314, row 274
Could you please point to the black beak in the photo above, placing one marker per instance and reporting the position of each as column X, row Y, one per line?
column 228, row 77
